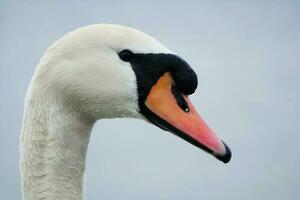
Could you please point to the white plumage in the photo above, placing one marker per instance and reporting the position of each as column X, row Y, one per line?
column 79, row 80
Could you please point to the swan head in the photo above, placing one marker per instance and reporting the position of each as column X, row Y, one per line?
column 108, row 71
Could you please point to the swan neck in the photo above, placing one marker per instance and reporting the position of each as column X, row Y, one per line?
column 53, row 149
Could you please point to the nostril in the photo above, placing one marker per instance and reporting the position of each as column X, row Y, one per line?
column 179, row 99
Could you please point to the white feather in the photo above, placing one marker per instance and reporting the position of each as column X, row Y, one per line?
column 79, row 80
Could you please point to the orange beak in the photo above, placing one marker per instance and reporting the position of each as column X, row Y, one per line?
column 172, row 110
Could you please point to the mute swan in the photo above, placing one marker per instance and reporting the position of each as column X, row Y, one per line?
column 95, row 72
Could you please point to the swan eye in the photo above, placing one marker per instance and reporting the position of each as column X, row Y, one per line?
column 125, row 55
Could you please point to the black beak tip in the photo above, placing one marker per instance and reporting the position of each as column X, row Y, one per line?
column 226, row 157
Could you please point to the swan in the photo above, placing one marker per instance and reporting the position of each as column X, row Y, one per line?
column 96, row 72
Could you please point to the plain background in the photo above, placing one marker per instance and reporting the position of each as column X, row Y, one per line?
column 246, row 55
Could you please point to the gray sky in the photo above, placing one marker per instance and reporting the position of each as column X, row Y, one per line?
column 247, row 58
